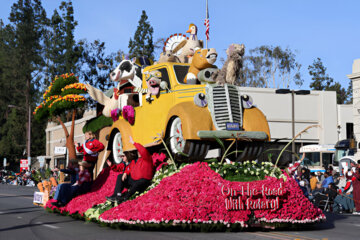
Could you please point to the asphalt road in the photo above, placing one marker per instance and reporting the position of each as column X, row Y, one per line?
column 20, row 219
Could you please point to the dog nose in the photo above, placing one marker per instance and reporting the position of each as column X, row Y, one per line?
column 113, row 74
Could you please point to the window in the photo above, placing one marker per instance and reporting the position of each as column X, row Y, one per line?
column 165, row 76
column 327, row 159
column 312, row 159
column 349, row 130
column 180, row 72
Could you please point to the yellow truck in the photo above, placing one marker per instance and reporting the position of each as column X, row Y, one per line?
column 191, row 117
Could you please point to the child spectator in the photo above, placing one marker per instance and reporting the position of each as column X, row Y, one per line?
column 90, row 149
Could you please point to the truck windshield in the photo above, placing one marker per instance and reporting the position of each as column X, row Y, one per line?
column 342, row 153
column 180, row 72
column 312, row 159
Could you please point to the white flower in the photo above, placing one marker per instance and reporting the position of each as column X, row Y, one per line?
column 257, row 173
column 237, row 171
column 252, row 173
column 245, row 171
column 224, row 171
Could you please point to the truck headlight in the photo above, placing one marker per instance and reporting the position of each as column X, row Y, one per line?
column 200, row 100
column 247, row 101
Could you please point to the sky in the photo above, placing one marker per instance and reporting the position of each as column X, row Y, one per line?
column 328, row 29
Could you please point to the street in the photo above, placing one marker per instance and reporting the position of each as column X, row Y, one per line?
column 20, row 219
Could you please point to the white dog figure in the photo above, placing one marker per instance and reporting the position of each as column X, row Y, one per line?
column 127, row 70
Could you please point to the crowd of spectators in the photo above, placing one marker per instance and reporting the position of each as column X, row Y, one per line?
column 330, row 190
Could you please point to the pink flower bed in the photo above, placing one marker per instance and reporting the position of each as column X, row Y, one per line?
column 103, row 186
column 194, row 195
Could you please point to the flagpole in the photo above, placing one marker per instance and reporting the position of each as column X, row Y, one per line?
column 207, row 14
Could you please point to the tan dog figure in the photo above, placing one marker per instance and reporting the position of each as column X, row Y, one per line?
column 231, row 70
column 203, row 58
column 168, row 56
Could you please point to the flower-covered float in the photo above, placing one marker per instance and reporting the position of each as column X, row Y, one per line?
column 194, row 106
column 198, row 197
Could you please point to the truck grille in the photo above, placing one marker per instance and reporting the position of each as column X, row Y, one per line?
column 225, row 105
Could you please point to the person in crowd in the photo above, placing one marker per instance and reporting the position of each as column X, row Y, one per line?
column 137, row 177
column 320, row 176
column 313, row 181
column 90, row 149
column 293, row 167
column 329, row 193
column 304, row 188
column 356, row 188
column 81, row 186
column 328, row 179
column 344, row 200
column 318, row 190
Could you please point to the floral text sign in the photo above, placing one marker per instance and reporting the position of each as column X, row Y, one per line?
column 249, row 198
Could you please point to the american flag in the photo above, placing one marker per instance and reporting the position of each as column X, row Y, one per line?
column 207, row 22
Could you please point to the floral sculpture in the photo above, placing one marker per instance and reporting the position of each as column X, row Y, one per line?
column 61, row 96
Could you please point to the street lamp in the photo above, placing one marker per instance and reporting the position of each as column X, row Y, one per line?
column 28, row 135
column 293, row 92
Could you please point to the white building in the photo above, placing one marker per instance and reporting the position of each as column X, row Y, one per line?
column 355, row 77
column 317, row 108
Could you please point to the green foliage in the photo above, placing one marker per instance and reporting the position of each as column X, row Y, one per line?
column 244, row 172
column 72, row 91
column 97, row 123
column 269, row 66
column 142, row 43
column 12, row 142
column 61, row 106
column 323, row 82
column 93, row 214
column 58, row 84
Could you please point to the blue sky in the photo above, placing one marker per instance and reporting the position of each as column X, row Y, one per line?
column 326, row 29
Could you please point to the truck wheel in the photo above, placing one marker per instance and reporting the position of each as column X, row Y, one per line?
column 196, row 150
column 251, row 151
column 117, row 147
column 177, row 141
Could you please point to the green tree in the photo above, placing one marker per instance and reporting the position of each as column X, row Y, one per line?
column 320, row 79
column 142, row 43
column 62, row 52
column 21, row 63
column 93, row 56
column 61, row 97
column 269, row 66
column 323, row 82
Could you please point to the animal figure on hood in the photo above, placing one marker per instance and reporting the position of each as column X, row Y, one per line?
column 231, row 70
column 203, row 58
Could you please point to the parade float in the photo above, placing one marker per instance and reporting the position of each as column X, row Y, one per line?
column 185, row 104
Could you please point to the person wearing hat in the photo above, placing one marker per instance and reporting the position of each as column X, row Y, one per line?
column 82, row 185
